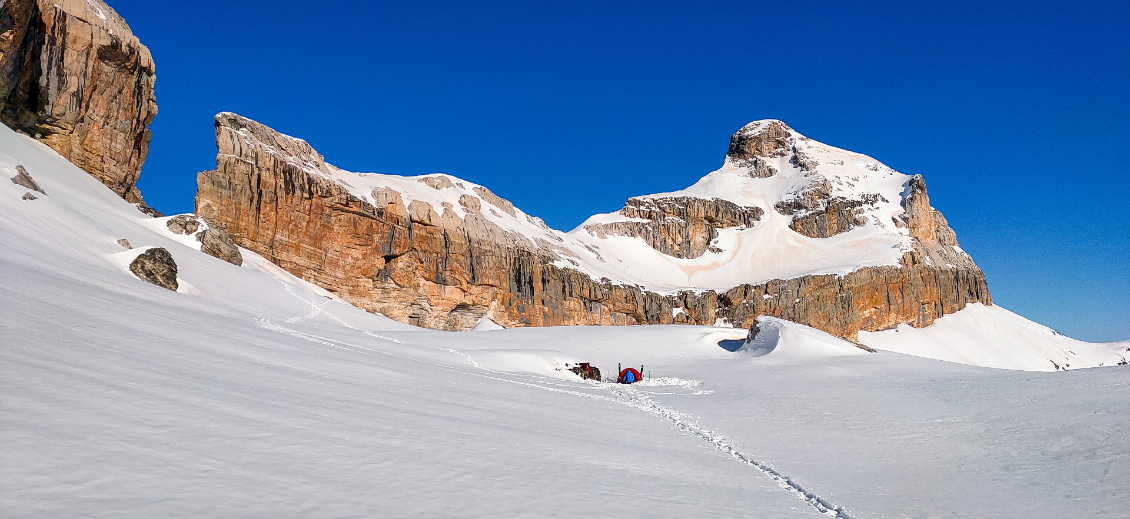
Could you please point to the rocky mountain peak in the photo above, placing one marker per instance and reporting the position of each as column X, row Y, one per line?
column 237, row 135
column 767, row 138
column 787, row 227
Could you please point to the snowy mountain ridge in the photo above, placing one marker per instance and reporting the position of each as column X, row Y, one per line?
column 825, row 169
column 149, row 367
column 748, row 239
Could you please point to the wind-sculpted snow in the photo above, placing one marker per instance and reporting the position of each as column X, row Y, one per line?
column 993, row 337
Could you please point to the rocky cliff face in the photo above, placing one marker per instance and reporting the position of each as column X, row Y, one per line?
column 682, row 227
column 73, row 76
column 440, row 252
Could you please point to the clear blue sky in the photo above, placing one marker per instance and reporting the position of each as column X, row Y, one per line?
column 1017, row 113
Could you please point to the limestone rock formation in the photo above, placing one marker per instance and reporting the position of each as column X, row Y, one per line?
column 156, row 266
column 440, row 252
column 682, row 227
column 74, row 76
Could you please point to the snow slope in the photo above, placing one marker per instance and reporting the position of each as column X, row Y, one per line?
column 252, row 394
column 993, row 337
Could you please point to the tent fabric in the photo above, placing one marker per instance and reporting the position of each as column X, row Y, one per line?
column 629, row 376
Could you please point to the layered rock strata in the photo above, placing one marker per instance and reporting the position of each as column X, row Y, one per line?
column 73, row 75
column 446, row 264
column 682, row 227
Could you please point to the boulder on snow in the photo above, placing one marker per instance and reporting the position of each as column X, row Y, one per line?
column 156, row 266
column 125, row 243
column 29, row 196
column 183, row 224
column 219, row 244
column 23, row 178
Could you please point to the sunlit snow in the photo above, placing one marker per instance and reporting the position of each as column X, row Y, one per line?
column 255, row 394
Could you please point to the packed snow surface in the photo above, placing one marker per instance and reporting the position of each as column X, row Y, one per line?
column 255, row 394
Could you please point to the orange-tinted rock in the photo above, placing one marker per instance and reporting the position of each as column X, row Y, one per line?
column 73, row 76
column 429, row 266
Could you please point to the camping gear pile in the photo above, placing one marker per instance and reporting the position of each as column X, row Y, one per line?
column 586, row 371
column 589, row 372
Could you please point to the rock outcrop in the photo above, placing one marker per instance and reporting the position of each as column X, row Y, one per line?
column 183, row 224
column 156, row 266
column 430, row 252
column 219, row 244
column 213, row 242
column 682, row 227
column 23, row 178
column 73, row 76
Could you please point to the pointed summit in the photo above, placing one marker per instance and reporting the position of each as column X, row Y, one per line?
column 768, row 138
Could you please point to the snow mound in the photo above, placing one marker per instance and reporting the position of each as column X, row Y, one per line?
column 785, row 341
column 486, row 324
column 993, row 337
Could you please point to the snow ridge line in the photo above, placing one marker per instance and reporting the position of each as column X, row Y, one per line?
column 638, row 400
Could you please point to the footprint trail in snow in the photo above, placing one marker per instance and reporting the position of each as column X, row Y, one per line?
column 637, row 399
column 621, row 394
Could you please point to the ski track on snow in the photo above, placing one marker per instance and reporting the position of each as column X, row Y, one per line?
column 624, row 395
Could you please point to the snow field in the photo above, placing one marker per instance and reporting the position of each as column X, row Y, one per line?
column 258, row 394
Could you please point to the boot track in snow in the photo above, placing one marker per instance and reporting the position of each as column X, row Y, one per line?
column 624, row 395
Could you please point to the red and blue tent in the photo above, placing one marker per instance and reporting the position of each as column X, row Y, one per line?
column 629, row 376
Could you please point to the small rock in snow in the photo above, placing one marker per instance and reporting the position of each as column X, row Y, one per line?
column 23, row 178
column 148, row 210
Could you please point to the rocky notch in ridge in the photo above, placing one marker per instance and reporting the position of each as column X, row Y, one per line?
column 440, row 252
column 73, row 76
